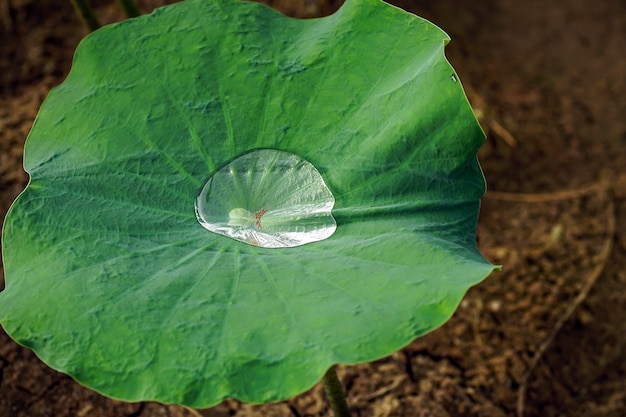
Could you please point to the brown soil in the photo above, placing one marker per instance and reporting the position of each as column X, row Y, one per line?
column 547, row 335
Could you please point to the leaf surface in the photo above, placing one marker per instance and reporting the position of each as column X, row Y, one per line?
column 112, row 279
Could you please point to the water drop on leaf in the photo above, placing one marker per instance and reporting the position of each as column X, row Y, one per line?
column 267, row 198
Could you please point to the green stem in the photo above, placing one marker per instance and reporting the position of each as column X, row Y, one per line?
column 334, row 394
column 86, row 13
column 130, row 7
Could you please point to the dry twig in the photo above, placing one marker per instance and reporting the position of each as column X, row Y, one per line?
column 545, row 197
column 484, row 115
column 588, row 284
column 395, row 383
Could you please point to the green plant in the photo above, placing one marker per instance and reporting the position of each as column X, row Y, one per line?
column 88, row 16
column 86, row 13
column 230, row 117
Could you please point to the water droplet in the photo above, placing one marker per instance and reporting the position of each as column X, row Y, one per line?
column 267, row 198
column 453, row 78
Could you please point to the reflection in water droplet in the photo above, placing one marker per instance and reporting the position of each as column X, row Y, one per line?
column 267, row 198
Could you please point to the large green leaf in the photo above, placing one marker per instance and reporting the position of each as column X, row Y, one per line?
column 111, row 278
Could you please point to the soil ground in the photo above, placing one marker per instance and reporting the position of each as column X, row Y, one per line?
column 544, row 337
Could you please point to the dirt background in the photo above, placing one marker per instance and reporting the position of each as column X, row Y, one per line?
column 544, row 337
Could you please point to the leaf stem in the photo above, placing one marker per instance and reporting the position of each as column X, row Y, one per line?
column 334, row 393
column 86, row 13
column 130, row 7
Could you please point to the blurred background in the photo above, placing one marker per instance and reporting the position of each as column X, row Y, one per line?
column 544, row 337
